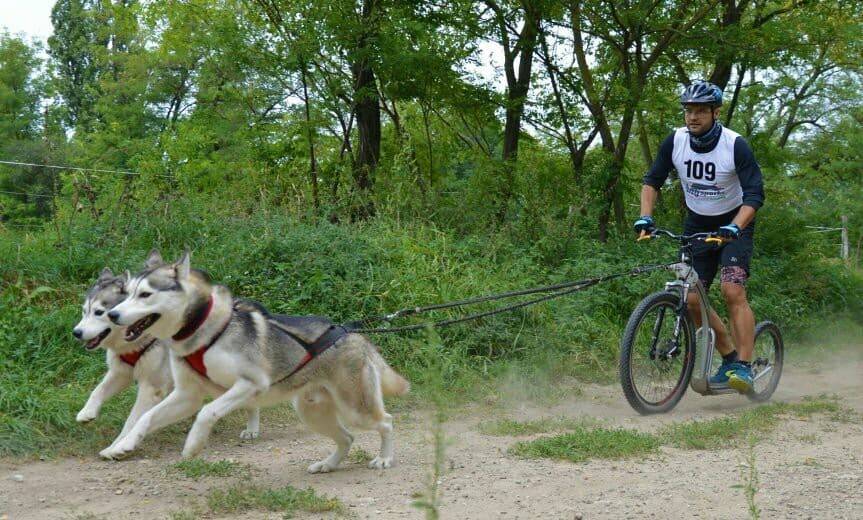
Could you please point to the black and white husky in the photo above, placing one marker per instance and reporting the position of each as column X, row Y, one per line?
column 144, row 360
column 244, row 357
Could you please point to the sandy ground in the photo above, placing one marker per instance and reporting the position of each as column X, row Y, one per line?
column 807, row 468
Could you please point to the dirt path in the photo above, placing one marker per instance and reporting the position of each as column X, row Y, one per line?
column 807, row 469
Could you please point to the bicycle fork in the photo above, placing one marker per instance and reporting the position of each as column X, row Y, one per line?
column 705, row 337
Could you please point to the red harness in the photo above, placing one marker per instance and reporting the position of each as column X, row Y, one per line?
column 131, row 358
column 196, row 358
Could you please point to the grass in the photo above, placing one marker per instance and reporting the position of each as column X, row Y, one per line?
column 183, row 515
column 344, row 272
column 360, row 456
column 584, row 444
column 197, row 468
column 287, row 500
column 510, row 427
column 755, row 422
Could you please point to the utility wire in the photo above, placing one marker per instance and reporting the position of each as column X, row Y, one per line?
column 27, row 194
column 76, row 168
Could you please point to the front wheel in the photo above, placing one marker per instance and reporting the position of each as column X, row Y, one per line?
column 655, row 362
column 767, row 361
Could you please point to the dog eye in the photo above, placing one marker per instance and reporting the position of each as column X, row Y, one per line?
column 144, row 294
column 99, row 312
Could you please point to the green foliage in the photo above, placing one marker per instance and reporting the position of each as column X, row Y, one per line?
column 347, row 272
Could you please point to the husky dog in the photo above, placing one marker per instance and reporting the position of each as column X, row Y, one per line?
column 243, row 356
column 144, row 359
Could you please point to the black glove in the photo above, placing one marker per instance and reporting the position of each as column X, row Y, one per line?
column 644, row 223
column 729, row 232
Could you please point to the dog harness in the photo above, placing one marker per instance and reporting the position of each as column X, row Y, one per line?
column 131, row 358
column 313, row 349
column 196, row 358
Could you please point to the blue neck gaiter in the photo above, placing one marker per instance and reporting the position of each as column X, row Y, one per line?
column 707, row 141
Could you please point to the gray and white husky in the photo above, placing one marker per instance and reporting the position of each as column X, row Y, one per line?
column 144, row 360
column 243, row 356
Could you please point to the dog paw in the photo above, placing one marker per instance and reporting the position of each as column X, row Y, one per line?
column 119, row 449
column 190, row 451
column 86, row 415
column 321, row 467
column 381, row 463
column 249, row 435
column 114, row 453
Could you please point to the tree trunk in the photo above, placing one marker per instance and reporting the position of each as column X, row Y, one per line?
column 741, row 71
column 313, row 164
column 727, row 53
column 368, row 115
column 644, row 141
column 425, row 110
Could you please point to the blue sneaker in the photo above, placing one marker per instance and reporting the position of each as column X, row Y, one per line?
column 721, row 375
column 740, row 379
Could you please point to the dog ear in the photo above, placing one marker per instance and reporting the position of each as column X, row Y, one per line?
column 154, row 258
column 106, row 274
column 125, row 276
column 183, row 266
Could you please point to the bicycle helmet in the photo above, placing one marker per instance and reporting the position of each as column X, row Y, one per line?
column 702, row 92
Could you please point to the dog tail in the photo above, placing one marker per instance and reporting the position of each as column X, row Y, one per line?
column 392, row 383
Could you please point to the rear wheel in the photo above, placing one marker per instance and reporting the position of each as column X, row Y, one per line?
column 767, row 360
column 655, row 364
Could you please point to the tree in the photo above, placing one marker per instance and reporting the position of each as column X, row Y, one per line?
column 630, row 39
column 21, row 90
column 72, row 48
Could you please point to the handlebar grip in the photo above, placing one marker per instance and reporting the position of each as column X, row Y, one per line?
column 714, row 240
column 643, row 236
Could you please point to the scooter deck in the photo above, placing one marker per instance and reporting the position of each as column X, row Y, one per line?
column 719, row 389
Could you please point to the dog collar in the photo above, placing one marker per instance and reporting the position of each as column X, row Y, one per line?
column 195, row 323
column 131, row 358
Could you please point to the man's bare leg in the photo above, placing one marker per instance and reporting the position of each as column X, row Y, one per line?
column 742, row 319
column 723, row 339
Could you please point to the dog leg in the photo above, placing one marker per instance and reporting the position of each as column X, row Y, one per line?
column 317, row 410
column 146, row 399
column 114, row 381
column 253, row 424
column 179, row 404
column 381, row 421
column 236, row 397
column 365, row 409
column 385, row 428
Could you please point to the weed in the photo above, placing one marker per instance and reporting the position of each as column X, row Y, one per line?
column 197, row 468
column 584, row 444
column 430, row 499
column 287, row 500
column 359, row 456
column 750, row 480
column 183, row 515
column 720, row 432
column 502, row 427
